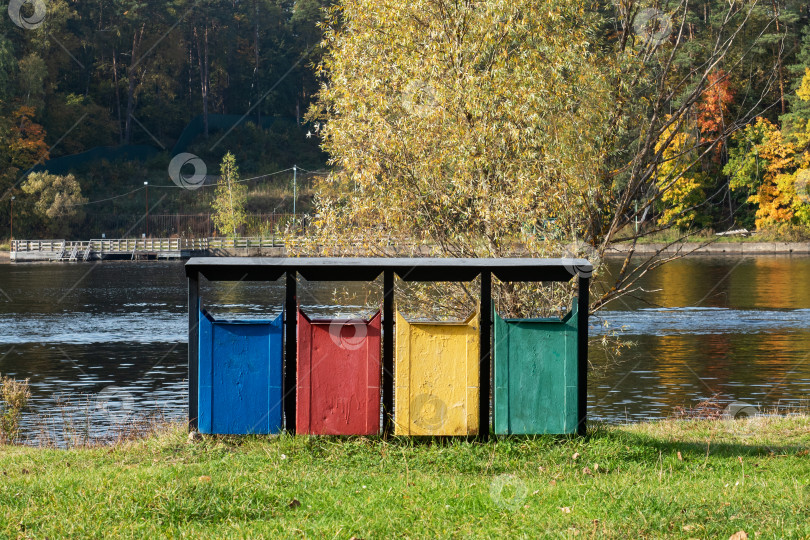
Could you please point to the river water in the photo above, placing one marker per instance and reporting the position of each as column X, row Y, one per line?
column 110, row 338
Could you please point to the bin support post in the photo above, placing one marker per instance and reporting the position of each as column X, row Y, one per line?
column 583, row 305
column 290, row 366
column 388, row 352
column 193, row 347
column 484, row 374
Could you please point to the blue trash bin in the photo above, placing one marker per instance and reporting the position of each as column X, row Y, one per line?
column 240, row 376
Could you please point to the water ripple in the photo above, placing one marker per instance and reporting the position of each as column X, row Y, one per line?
column 700, row 321
column 171, row 327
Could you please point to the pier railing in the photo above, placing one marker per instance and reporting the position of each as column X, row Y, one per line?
column 38, row 245
column 145, row 245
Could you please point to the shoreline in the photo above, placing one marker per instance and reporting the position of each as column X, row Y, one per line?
column 715, row 248
column 617, row 250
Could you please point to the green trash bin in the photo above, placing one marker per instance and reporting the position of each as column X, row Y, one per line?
column 536, row 375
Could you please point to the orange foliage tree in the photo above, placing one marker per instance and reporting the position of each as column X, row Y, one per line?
column 713, row 110
column 27, row 139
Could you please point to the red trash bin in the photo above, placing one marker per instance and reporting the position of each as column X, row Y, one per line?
column 338, row 376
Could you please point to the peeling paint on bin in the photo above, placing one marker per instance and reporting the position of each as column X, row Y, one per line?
column 437, row 377
column 240, row 376
column 338, row 376
column 536, row 375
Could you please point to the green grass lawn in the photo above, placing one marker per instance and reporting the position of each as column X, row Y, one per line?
column 686, row 479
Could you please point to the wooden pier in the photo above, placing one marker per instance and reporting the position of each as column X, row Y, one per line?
column 138, row 248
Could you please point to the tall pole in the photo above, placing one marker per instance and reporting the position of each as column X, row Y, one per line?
column 290, row 359
column 147, row 208
column 12, row 221
column 388, row 352
column 485, row 357
column 583, row 308
column 295, row 186
column 193, row 348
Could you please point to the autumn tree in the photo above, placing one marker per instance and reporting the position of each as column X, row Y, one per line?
column 230, row 199
column 496, row 128
column 681, row 181
column 27, row 146
column 443, row 123
column 663, row 80
column 773, row 172
column 54, row 199
column 714, row 111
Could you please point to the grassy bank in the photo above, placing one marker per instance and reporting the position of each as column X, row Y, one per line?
column 691, row 479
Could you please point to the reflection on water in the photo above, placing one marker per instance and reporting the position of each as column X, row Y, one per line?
column 737, row 326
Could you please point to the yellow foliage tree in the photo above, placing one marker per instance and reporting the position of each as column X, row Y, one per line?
column 474, row 129
column 55, row 198
column 804, row 89
column 230, row 199
column 680, row 181
column 776, row 198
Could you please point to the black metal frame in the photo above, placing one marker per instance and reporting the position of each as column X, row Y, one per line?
column 368, row 269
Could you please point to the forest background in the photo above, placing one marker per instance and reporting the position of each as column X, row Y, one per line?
column 479, row 127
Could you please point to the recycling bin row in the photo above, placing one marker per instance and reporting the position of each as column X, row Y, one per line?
column 436, row 376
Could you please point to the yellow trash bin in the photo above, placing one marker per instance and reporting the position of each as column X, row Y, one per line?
column 436, row 375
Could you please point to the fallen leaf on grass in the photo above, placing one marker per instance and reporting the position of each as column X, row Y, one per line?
column 739, row 535
column 295, row 503
column 205, row 478
column 680, row 457
column 575, row 456
column 565, row 509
